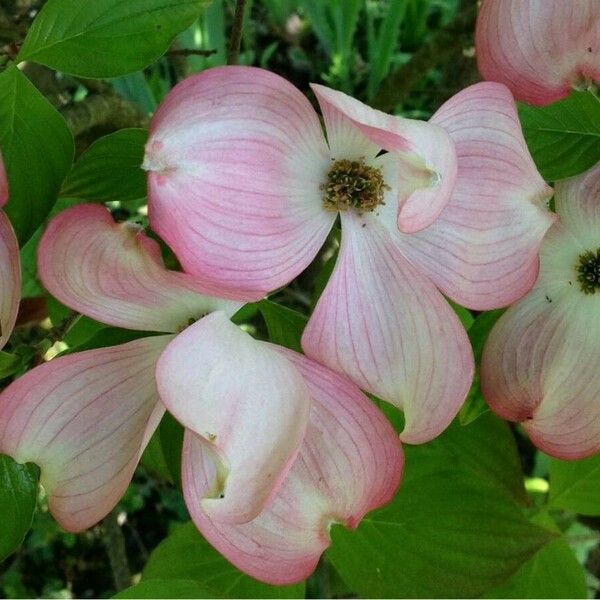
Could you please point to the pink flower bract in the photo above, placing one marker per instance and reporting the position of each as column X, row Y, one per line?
column 541, row 49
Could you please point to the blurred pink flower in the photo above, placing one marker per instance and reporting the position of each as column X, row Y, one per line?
column 245, row 188
column 10, row 266
column 541, row 49
column 272, row 439
column 540, row 363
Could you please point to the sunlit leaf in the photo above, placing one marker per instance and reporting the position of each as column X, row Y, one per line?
column 564, row 137
column 553, row 572
column 456, row 527
column 37, row 148
column 18, row 493
column 106, row 38
column 285, row 326
column 163, row 453
column 575, row 485
column 110, row 169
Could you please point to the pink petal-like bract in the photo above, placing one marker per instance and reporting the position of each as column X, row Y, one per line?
column 350, row 462
column 483, row 249
column 84, row 419
column 113, row 273
column 247, row 405
column 541, row 49
column 540, row 363
column 423, row 153
column 387, row 326
column 235, row 159
column 577, row 201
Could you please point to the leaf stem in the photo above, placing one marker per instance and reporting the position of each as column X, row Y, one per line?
column 191, row 52
column 114, row 542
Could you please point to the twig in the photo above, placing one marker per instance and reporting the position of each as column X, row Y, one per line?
column 114, row 542
column 10, row 51
column 235, row 40
column 191, row 52
column 95, row 86
column 140, row 543
column 11, row 34
column 109, row 111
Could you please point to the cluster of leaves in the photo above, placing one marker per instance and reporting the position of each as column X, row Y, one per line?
column 470, row 519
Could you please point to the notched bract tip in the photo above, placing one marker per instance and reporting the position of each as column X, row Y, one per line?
column 155, row 160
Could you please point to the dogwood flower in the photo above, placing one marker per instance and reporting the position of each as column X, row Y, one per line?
column 10, row 268
column 540, row 363
column 350, row 461
column 269, row 439
column 245, row 188
column 541, row 49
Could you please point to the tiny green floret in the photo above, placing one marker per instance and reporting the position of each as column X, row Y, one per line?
column 588, row 271
column 353, row 184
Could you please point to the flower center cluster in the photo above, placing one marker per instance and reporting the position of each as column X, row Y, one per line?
column 588, row 270
column 353, row 184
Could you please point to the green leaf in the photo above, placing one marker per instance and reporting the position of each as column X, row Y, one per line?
column 110, row 169
column 475, row 404
column 285, row 326
column 109, row 336
column 38, row 151
column 382, row 45
column 323, row 277
column 478, row 330
column 331, row 247
column 166, row 588
column 486, row 448
column 464, row 314
column 455, row 529
column 335, row 23
column 575, row 485
column 246, row 313
column 18, row 494
column 105, row 38
column 185, row 554
column 135, row 87
column 9, row 364
column 564, row 137
column 82, row 330
column 553, row 572
column 316, row 12
column 30, row 285
column 163, row 453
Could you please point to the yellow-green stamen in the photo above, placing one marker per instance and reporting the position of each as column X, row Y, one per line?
column 588, row 271
column 353, row 184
